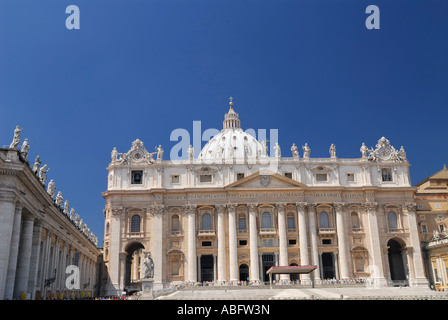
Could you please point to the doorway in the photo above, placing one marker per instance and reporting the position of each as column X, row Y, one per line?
column 396, row 264
column 268, row 260
column 244, row 272
column 207, row 268
column 328, row 271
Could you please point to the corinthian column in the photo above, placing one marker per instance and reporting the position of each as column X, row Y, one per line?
column 253, row 238
column 419, row 276
column 342, row 241
column 221, row 244
column 303, row 240
column 157, row 244
column 313, row 238
column 190, row 210
column 375, row 245
column 283, row 246
column 233, row 257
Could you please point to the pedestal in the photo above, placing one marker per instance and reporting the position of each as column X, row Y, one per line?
column 147, row 288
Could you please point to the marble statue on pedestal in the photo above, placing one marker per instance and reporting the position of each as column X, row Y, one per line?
column 16, row 139
column 277, row 150
column 25, row 148
column 114, row 154
column 36, row 165
column 294, row 151
column 148, row 267
column 363, row 150
column 59, row 199
column 66, row 208
column 159, row 152
column 51, row 190
column 43, row 174
column 306, row 151
column 332, row 151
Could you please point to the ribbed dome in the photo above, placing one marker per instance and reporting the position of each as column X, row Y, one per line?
column 231, row 142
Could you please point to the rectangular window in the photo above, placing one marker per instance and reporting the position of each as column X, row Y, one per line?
column 321, row 177
column 291, row 224
column 288, row 175
column 420, row 206
column 205, row 178
column 424, row 228
column 175, row 179
column 292, row 242
column 242, row 242
column 136, row 177
column 350, row 177
column 239, row 176
column 386, row 174
column 437, row 205
column 206, row 243
column 326, row 241
column 242, row 223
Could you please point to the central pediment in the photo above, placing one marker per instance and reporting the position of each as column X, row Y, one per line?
column 265, row 179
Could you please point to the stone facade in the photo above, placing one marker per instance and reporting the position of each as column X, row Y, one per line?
column 432, row 217
column 234, row 211
column 38, row 241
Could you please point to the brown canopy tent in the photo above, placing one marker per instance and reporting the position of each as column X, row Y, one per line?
column 289, row 270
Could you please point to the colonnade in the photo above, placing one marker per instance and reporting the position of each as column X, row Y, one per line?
column 34, row 257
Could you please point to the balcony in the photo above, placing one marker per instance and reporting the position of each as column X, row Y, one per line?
column 206, row 233
column 327, row 231
column 135, row 235
column 268, row 231
column 395, row 230
column 175, row 233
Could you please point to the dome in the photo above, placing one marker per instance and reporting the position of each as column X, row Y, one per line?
column 232, row 142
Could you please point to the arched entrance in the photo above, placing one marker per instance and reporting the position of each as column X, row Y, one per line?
column 244, row 272
column 396, row 263
column 132, row 268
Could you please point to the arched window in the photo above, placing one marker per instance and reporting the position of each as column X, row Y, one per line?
column 324, row 221
column 175, row 223
column 266, row 220
column 135, row 223
column 392, row 220
column 206, row 221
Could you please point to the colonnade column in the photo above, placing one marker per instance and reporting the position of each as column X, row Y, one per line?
column 419, row 276
column 13, row 253
column 375, row 245
column 342, row 246
column 35, row 255
column 303, row 238
column 221, row 245
column 313, row 239
column 190, row 211
column 233, row 256
column 7, row 208
column 283, row 245
column 24, row 257
column 253, row 239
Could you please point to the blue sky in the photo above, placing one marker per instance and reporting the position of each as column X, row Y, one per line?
column 142, row 68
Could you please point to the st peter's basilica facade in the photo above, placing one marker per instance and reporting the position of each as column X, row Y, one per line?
column 231, row 213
